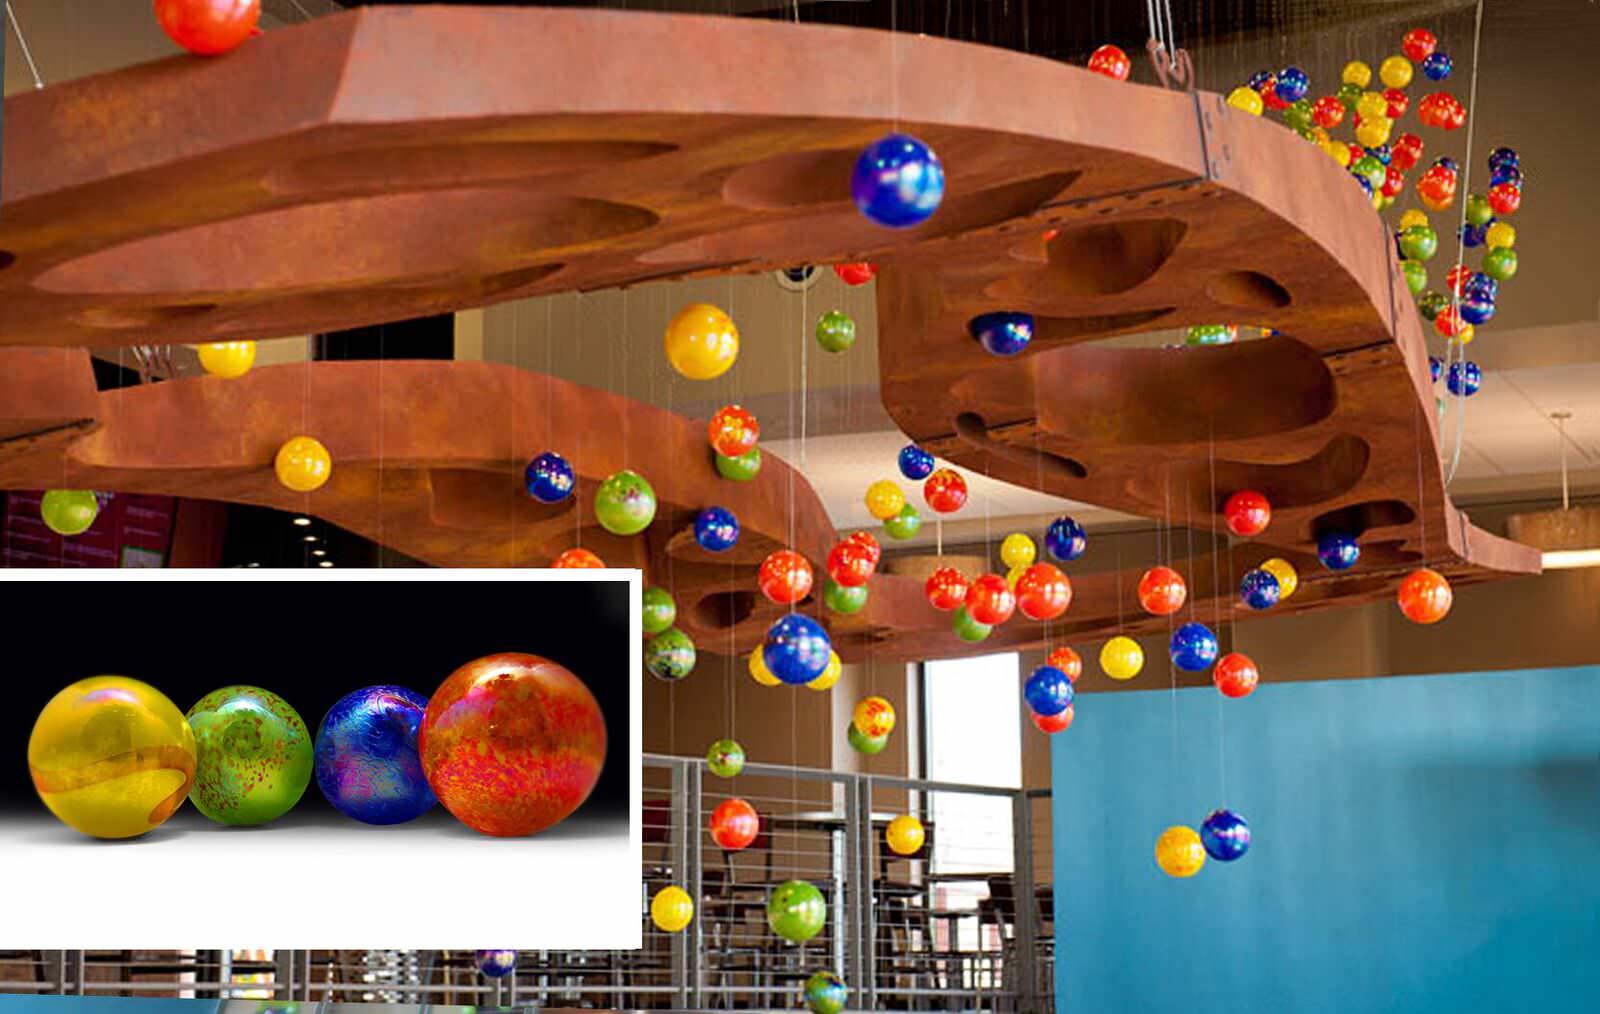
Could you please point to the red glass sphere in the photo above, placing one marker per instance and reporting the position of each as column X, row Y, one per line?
column 1327, row 112
column 1425, row 596
column 209, row 27
column 1394, row 181
column 1399, row 102
column 1052, row 723
column 946, row 588
column 1449, row 323
column 576, row 559
column 857, row 273
column 1162, row 591
column 1110, row 61
column 1406, row 151
column 1505, row 198
column 850, row 564
column 1043, row 592
column 945, row 491
column 867, row 542
column 1235, row 675
column 1456, row 278
column 733, row 431
column 1067, row 660
column 785, row 577
column 1247, row 513
column 1418, row 44
column 990, row 600
column 734, row 824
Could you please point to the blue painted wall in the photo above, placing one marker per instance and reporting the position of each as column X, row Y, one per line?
column 1421, row 844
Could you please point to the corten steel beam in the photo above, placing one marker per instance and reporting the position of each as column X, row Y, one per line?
column 394, row 162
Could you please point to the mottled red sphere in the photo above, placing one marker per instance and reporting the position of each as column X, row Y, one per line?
column 946, row 588
column 1247, row 513
column 512, row 744
column 990, row 600
column 1235, row 675
column 945, row 491
column 1399, row 102
column 1505, row 198
column 733, row 431
column 1425, row 596
column 1418, row 44
column 1043, row 592
column 1328, row 112
column 785, row 577
column 1162, row 591
column 208, row 27
column 577, row 559
column 1406, row 151
column 857, row 273
column 865, row 540
column 1111, row 61
column 734, row 824
column 850, row 563
column 1052, row 723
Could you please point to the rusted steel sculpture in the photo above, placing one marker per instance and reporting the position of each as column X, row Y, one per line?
column 393, row 162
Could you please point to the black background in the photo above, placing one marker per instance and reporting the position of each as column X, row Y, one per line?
column 310, row 641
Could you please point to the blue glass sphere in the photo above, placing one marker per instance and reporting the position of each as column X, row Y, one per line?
column 1260, row 589
column 898, row 181
column 366, row 756
column 1480, row 286
column 1048, row 691
column 1463, row 378
column 1435, row 367
column 1193, row 647
column 1292, row 84
column 916, row 464
column 1477, row 310
column 549, row 478
column 1383, row 153
column 1505, row 174
column 1437, row 65
column 716, row 529
column 1002, row 333
column 1447, row 162
column 1473, row 235
column 1366, row 184
column 1225, row 835
column 1259, row 80
column 1338, row 551
column 1501, row 157
column 1065, row 539
column 797, row 649
column 497, row 964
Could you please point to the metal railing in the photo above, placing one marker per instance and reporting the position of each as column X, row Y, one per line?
column 962, row 923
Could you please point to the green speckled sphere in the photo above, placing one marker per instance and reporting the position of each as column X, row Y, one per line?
column 669, row 655
column 842, row 599
column 254, row 756
column 1500, row 263
column 1416, row 274
column 836, row 331
column 1432, row 303
column 826, row 993
column 659, row 610
column 741, row 469
column 905, row 524
column 625, row 504
column 796, row 911
column 725, row 758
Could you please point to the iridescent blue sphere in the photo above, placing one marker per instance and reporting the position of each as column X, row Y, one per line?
column 1292, row 84
column 1480, row 286
column 1463, row 378
column 1501, row 157
column 1002, row 333
column 366, row 756
column 1366, row 184
column 1338, row 551
column 1447, row 162
column 1225, row 835
column 1437, row 65
column 1259, row 80
column 497, row 964
column 1383, row 153
column 1260, row 589
column 1435, row 367
column 916, row 464
column 898, row 181
column 1473, row 235
column 716, row 529
column 1477, row 310
column 1065, row 539
column 1193, row 647
column 1048, row 691
column 549, row 478
column 1505, row 174
column 797, row 649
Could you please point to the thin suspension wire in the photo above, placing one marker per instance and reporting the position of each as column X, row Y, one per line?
column 1461, row 246
column 22, row 44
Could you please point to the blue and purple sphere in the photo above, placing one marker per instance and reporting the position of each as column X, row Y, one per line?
column 1338, row 551
column 797, row 649
column 1292, row 83
column 1225, row 836
column 549, row 478
column 1260, row 589
column 1048, row 691
column 1193, row 647
column 1003, row 332
column 1437, row 66
column 366, row 756
column 1065, row 539
column 916, row 464
column 1463, row 378
column 716, row 529
column 898, row 181
column 497, row 964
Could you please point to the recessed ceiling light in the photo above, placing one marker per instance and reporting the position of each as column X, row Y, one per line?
column 325, row 563
column 303, row 522
column 308, row 538
column 319, row 552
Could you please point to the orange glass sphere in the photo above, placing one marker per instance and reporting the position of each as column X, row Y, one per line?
column 850, row 563
column 946, row 588
column 1425, row 596
column 945, row 491
column 1043, row 592
column 733, row 431
column 1111, row 61
column 1052, row 723
column 785, row 577
column 1162, row 591
column 577, row 559
column 734, row 824
column 1235, row 675
column 990, row 600
column 208, row 27
column 1067, row 660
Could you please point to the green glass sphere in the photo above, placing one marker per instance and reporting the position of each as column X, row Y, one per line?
column 864, row 744
column 1478, row 210
column 1349, row 94
column 1419, row 243
column 669, row 655
column 253, row 756
column 725, row 758
column 1374, row 171
column 967, row 628
column 659, row 610
column 1416, row 274
column 741, row 469
column 905, row 524
column 841, row 599
column 1431, row 303
column 1298, row 115
column 796, row 911
column 836, row 332
column 826, row 993
column 69, row 511
column 625, row 504
column 1500, row 263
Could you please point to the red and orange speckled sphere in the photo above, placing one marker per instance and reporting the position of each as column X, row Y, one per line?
column 512, row 744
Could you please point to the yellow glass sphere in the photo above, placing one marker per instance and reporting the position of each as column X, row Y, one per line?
column 1374, row 132
column 1413, row 216
column 873, row 717
column 1372, row 106
column 1017, row 550
column 1179, row 852
column 905, row 835
column 1247, row 99
column 1288, row 577
column 702, row 342
column 112, row 757
column 1465, row 335
column 1395, row 71
column 671, row 909
column 1339, row 152
column 884, row 499
column 228, row 360
column 1501, row 234
column 830, row 675
column 1014, row 575
column 1121, row 658
column 759, row 671
column 1357, row 73
column 303, row 464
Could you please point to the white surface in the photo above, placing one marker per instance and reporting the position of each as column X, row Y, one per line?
column 313, row 879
